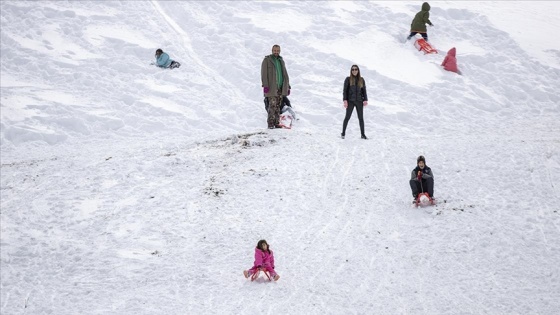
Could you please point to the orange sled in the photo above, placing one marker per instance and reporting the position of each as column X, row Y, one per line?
column 423, row 45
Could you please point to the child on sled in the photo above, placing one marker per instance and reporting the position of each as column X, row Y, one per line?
column 264, row 260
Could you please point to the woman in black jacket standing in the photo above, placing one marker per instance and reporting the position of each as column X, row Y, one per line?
column 354, row 95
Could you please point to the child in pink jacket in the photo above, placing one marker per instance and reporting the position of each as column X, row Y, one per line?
column 450, row 62
column 264, row 260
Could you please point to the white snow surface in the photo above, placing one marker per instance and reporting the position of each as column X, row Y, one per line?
column 130, row 189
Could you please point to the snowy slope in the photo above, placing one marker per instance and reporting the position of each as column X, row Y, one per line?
column 128, row 189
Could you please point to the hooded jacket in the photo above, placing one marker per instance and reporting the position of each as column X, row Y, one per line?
column 163, row 60
column 263, row 258
column 419, row 22
column 450, row 62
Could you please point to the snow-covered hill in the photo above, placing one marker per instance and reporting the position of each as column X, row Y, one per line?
column 128, row 189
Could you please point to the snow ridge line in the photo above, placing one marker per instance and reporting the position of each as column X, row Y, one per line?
column 187, row 46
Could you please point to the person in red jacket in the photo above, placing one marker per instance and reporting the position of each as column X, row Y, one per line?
column 450, row 62
column 264, row 260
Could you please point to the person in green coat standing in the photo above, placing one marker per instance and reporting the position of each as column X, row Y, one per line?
column 419, row 22
column 275, row 84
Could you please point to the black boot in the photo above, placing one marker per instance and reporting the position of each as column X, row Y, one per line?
column 342, row 135
column 364, row 137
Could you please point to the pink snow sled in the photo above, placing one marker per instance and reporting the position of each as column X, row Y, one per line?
column 256, row 274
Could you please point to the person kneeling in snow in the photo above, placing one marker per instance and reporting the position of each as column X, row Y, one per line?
column 286, row 106
column 450, row 61
column 264, row 260
column 163, row 60
column 422, row 179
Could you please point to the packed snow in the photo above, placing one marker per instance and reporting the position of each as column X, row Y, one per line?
column 131, row 189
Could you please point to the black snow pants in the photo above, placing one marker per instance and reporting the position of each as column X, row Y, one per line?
column 426, row 186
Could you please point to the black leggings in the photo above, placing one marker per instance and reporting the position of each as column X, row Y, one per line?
column 360, row 109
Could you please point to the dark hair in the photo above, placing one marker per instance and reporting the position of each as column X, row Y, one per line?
column 420, row 158
column 260, row 244
column 159, row 51
column 358, row 77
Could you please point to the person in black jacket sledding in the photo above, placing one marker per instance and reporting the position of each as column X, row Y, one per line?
column 422, row 179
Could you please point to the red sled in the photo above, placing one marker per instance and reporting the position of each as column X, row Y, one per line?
column 423, row 45
column 256, row 274
column 419, row 202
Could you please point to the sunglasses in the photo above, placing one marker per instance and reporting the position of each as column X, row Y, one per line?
column 354, row 69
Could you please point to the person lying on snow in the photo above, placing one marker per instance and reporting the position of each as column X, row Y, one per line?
column 422, row 179
column 264, row 260
column 163, row 60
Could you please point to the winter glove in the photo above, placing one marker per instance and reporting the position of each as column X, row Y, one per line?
column 365, row 103
column 419, row 176
column 345, row 104
column 265, row 90
column 289, row 92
